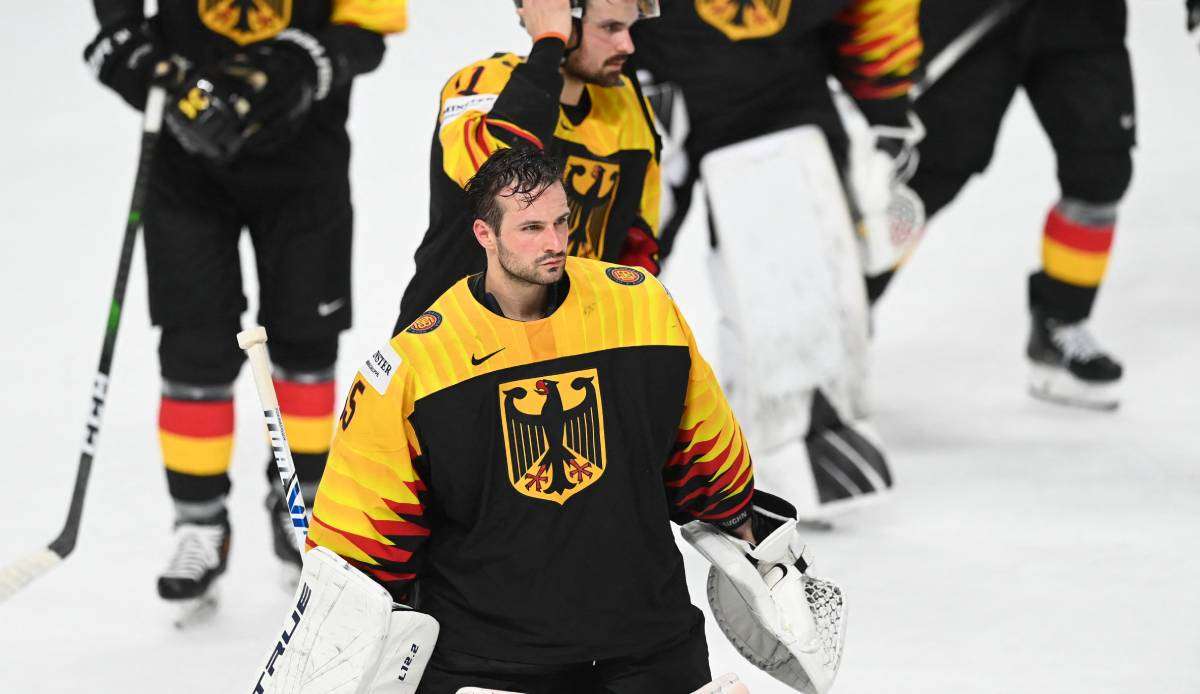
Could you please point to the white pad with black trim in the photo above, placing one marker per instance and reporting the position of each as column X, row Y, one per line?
column 786, row 623
column 345, row 636
column 789, row 286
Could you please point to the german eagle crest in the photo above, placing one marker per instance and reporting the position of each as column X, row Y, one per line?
column 553, row 434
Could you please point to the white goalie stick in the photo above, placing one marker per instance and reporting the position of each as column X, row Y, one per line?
column 17, row 575
column 949, row 56
column 254, row 343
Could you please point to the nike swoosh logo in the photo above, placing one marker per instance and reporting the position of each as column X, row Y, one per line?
column 477, row 361
column 328, row 309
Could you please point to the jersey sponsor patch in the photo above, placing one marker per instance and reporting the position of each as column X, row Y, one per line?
column 627, row 276
column 553, row 434
column 745, row 19
column 459, row 105
column 379, row 368
column 246, row 21
column 425, row 323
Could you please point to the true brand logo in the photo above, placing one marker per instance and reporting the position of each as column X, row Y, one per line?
column 282, row 644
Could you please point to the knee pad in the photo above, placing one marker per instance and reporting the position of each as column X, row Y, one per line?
column 200, row 354
column 1095, row 176
column 304, row 356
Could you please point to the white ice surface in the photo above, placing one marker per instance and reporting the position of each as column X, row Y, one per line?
column 1028, row 548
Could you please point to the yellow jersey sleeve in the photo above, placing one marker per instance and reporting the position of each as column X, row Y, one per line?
column 709, row 476
column 379, row 16
column 370, row 506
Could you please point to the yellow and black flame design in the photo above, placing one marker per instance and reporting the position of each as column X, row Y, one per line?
column 246, row 21
column 745, row 19
column 553, row 434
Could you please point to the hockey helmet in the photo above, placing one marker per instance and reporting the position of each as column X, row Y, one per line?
column 647, row 9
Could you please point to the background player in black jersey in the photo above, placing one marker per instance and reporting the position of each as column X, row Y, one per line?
column 509, row 465
column 570, row 98
column 260, row 93
column 742, row 86
column 1070, row 58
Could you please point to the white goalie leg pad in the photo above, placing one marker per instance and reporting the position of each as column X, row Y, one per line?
column 792, row 303
column 786, row 623
column 344, row 635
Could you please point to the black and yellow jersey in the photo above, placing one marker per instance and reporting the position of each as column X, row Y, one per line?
column 204, row 31
column 607, row 143
column 525, row 472
column 752, row 55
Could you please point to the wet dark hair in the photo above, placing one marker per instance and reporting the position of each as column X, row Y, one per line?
column 526, row 170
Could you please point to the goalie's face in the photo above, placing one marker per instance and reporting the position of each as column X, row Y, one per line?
column 606, row 43
column 531, row 244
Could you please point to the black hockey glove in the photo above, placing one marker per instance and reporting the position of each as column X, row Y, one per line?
column 256, row 99
column 1193, row 16
column 127, row 57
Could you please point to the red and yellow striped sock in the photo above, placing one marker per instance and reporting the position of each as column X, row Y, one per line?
column 1074, row 252
column 307, row 408
column 196, row 437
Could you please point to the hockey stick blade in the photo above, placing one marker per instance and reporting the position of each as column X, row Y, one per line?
column 17, row 575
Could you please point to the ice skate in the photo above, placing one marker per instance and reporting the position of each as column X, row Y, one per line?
column 1068, row 367
column 282, row 538
column 189, row 581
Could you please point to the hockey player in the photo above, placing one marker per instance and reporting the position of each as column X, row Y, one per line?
column 1070, row 57
column 569, row 97
column 742, row 86
column 516, row 454
column 260, row 93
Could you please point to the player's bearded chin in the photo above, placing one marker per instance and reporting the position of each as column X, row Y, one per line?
column 533, row 273
column 608, row 74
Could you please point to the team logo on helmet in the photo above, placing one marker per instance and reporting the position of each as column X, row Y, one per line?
column 553, row 434
column 745, row 19
column 246, row 21
column 625, row 275
column 425, row 323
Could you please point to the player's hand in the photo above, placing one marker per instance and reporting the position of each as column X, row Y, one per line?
column 639, row 249
column 1193, row 18
column 128, row 57
column 256, row 99
column 542, row 17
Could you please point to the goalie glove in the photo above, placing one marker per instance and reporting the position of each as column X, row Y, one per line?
column 892, row 215
column 786, row 623
column 344, row 635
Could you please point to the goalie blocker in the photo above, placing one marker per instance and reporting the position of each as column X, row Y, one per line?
column 345, row 635
column 786, row 623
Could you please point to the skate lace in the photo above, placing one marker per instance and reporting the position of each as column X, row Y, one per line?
column 1076, row 342
column 197, row 550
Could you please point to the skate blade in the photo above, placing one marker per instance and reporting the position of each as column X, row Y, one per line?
column 1059, row 386
column 196, row 611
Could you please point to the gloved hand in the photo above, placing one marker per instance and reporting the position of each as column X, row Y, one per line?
column 1193, row 19
column 128, row 57
column 255, row 99
column 640, row 249
column 892, row 216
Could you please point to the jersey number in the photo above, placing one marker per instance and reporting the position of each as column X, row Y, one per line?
column 348, row 410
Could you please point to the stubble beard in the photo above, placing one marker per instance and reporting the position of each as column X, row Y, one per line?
column 601, row 77
column 528, row 274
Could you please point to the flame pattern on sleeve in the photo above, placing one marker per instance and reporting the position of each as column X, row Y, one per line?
column 370, row 506
column 879, row 47
column 709, row 475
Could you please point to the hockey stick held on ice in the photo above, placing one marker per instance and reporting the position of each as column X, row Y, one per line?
column 18, row 574
column 254, row 343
